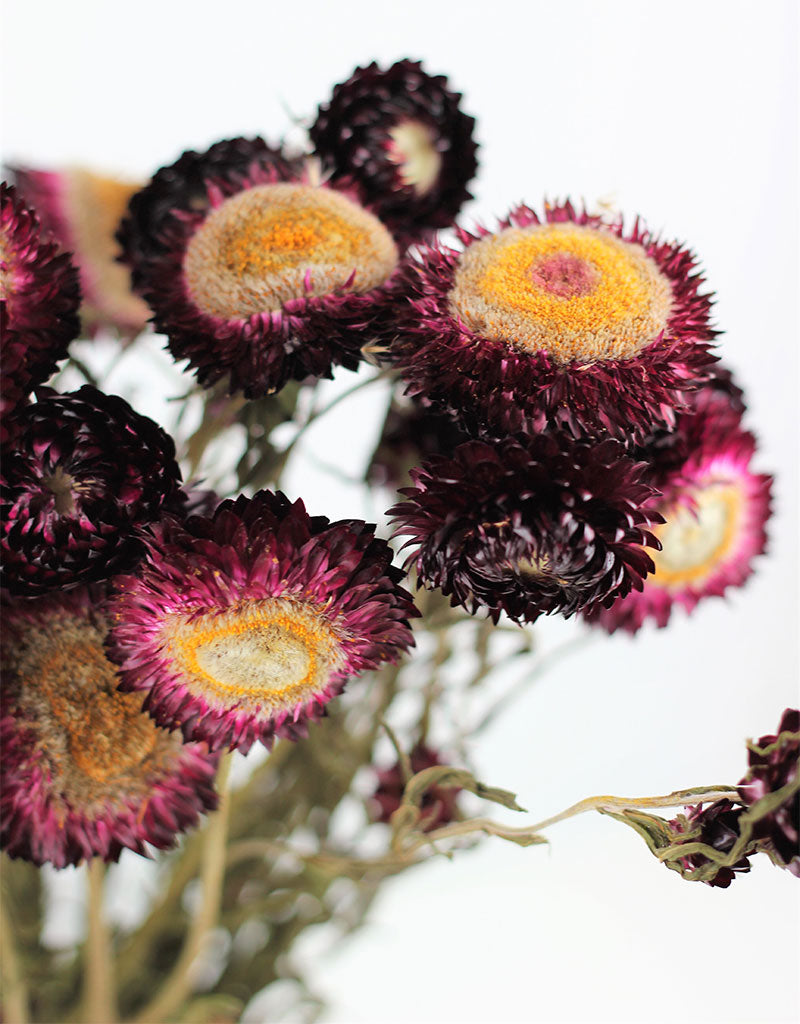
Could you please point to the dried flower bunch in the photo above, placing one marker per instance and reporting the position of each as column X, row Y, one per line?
column 562, row 437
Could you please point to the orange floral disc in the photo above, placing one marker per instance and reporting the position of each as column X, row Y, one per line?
column 269, row 244
column 574, row 292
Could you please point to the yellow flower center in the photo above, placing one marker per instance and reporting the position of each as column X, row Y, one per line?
column 263, row 656
column 418, row 160
column 696, row 541
column 269, row 244
column 577, row 293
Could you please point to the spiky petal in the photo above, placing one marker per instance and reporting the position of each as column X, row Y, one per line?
column 243, row 625
column 85, row 772
column 401, row 135
column 548, row 525
column 563, row 322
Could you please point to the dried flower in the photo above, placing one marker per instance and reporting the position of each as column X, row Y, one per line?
column 438, row 804
column 401, row 136
column 85, row 772
column 551, row 525
column 570, row 323
column 242, row 626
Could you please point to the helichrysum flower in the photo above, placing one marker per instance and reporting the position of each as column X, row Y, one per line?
column 242, row 626
column 82, row 210
column 85, row 772
column 715, row 510
column 39, row 299
column 401, row 135
column 85, row 474
column 772, row 783
column 266, row 277
column 549, row 525
column 566, row 322
column 438, row 805
column 718, row 827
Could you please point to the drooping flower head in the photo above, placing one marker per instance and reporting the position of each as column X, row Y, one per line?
column 39, row 299
column 569, row 322
column 269, row 276
column 242, row 626
column 772, row 783
column 718, row 826
column 85, row 772
column 547, row 526
column 86, row 473
column 438, row 805
column 401, row 135
column 82, row 210
column 715, row 510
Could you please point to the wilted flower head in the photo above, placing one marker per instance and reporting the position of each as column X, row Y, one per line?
column 242, row 626
column 548, row 525
column 39, row 299
column 260, row 274
column 85, row 772
column 401, row 136
column 85, row 474
column 569, row 322
column 438, row 804
column 82, row 210
column 718, row 827
column 772, row 783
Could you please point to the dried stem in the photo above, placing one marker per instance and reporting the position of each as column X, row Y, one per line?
column 15, row 993
column 99, row 992
column 178, row 984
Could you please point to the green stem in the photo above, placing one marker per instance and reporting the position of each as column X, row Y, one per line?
column 178, row 984
column 99, row 992
column 15, row 993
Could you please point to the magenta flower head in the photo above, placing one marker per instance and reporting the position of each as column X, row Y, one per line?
column 39, row 299
column 772, row 788
column 401, row 135
column 438, row 805
column 564, row 322
column 549, row 525
column 715, row 510
column 242, row 626
column 86, row 473
column 267, row 276
column 82, row 210
column 85, row 772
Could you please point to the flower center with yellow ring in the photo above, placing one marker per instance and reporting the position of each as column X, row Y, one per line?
column 261, row 657
column 269, row 244
column 696, row 541
column 418, row 161
column 98, row 746
column 577, row 293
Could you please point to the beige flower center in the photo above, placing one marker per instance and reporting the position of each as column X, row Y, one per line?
column 696, row 541
column 412, row 149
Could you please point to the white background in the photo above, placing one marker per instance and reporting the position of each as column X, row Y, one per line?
column 686, row 113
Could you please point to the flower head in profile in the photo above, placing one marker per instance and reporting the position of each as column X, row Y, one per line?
column 543, row 526
column 39, row 299
column 771, row 788
column 86, row 473
column 85, row 772
column 401, row 136
column 438, row 804
column 82, row 210
column 257, row 273
column 718, row 826
column 715, row 510
column 242, row 626
column 564, row 322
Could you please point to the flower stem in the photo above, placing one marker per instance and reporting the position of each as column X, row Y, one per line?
column 178, row 983
column 99, row 991
column 15, row 993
